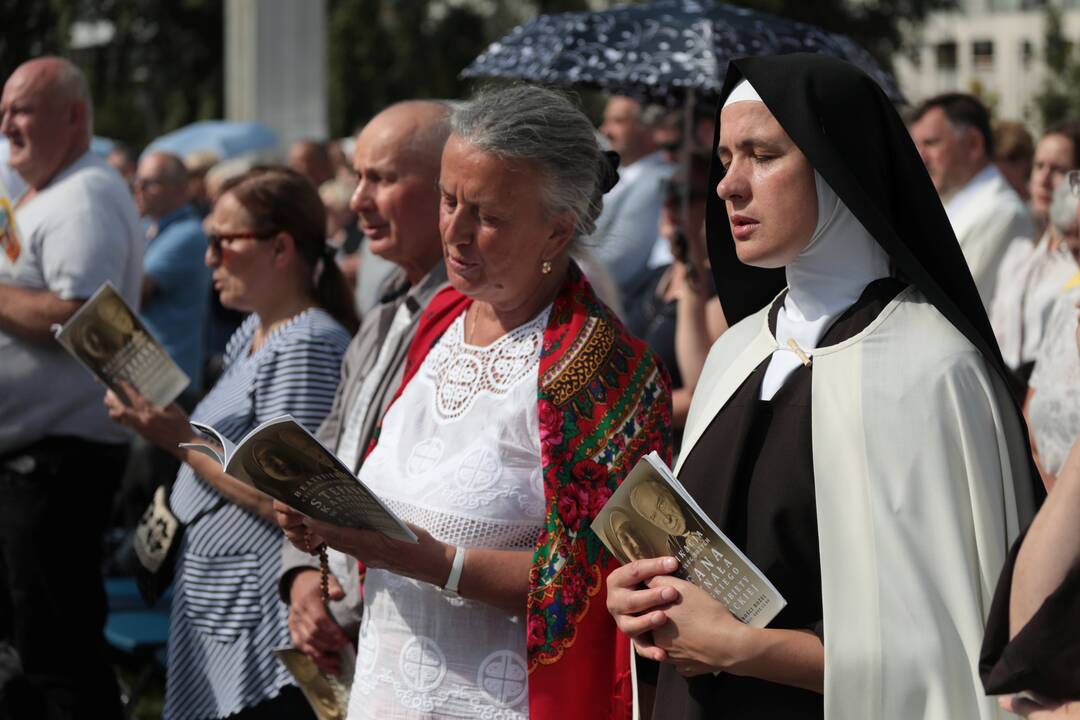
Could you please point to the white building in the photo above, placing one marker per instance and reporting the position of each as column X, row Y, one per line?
column 992, row 48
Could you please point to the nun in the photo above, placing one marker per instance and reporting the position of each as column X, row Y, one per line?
column 852, row 432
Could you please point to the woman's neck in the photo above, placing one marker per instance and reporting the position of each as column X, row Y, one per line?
column 486, row 322
column 276, row 314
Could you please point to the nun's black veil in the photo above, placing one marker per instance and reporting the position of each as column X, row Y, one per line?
column 852, row 135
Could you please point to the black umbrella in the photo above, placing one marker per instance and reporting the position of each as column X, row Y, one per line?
column 658, row 51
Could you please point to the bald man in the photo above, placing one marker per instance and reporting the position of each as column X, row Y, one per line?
column 60, row 456
column 397, row 160
column 176, row 282
column 312, row 160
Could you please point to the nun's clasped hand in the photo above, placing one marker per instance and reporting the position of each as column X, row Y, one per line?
column 673, row 621
column 428, row 560
column 165, row 427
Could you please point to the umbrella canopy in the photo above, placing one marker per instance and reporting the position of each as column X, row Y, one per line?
column 658, row 51
column 224, row 138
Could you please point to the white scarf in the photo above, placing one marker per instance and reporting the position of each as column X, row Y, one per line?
column 827, row 277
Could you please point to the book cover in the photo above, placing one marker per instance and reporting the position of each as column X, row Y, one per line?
column 280, row 458
column 652, row 515
column 327, row 694
column 108, row 338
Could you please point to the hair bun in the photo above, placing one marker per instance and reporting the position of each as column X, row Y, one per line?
column 609, row 170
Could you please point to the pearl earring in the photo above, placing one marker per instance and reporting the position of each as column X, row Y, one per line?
column 545, row 267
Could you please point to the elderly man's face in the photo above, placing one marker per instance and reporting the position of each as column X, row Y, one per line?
column 38, row 122
column 947, row 152
column 395, row 201
column 622, row 126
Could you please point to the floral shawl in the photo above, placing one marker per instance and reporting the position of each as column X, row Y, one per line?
column 603, row 403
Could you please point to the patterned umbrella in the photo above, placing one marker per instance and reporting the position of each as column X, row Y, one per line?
column 658, row 51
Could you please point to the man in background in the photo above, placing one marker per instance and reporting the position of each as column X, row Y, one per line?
column 952, row 134
column 60, row 456
column 629, row 226
column 311, row 159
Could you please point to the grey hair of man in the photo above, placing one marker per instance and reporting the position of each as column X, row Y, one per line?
column 1063, row 207
column 543, row 127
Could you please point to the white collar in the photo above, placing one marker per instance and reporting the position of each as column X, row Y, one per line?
column 827, row 277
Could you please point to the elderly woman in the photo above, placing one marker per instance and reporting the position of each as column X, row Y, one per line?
column 852, row 433
column 1032, row 272
column 524, row 404
column 269, row 258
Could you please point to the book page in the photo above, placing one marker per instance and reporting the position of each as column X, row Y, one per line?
column 649, row 516
column 285, row 461
column 110, row 341
column 327, row 694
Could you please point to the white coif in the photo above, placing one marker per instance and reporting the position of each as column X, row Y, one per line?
column 459, row 455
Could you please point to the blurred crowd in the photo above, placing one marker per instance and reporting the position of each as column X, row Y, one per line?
column 315, row 283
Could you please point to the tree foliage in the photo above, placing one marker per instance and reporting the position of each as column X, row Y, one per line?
column 164, row 64
column 1059, row 96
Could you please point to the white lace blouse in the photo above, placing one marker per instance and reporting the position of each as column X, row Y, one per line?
column 459, row 455
column 1054, row 411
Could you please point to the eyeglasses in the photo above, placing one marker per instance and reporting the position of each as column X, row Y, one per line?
column 215, row 240
column 1073, row 178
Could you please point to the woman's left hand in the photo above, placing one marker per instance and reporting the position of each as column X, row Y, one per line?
column 165, row 427
column 428, row 560
column 700, row 635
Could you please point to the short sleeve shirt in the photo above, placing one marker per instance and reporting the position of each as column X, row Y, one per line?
column 177, row 311
column 77, row 232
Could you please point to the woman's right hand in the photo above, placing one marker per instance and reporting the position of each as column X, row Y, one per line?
column 638, row 609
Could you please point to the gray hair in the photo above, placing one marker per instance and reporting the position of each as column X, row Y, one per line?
column 1063, row 207
column 544, row 127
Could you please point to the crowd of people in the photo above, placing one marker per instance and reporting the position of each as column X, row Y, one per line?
column 853, row 334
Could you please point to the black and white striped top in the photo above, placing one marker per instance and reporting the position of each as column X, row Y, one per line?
column 226, row 615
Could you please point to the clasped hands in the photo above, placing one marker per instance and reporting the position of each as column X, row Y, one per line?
column 673, row 621
column 428, row 560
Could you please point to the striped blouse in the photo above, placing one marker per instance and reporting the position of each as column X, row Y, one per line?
column 226, row 615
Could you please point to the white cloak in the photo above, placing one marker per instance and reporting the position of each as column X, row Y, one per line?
column 921, row 483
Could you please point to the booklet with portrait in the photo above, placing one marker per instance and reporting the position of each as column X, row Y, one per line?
column 280, row 458
column 110, row 340
column 652, row 515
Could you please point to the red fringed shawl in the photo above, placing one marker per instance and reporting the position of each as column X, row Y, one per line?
column 603, row 403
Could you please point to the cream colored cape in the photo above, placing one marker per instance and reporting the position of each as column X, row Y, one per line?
column 917, row 460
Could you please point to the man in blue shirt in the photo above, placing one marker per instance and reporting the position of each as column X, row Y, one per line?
column 176, row 283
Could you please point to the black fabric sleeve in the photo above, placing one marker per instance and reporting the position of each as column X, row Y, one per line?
column 1044, row 657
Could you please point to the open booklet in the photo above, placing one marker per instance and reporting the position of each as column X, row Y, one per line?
column 327, row 694
column 652, row 515
column 108, row 338
column 283, row 460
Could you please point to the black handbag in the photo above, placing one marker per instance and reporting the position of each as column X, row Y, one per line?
column 156, row 543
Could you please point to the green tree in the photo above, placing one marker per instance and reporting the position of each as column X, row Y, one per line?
column 1059, row 96
column 161, row 68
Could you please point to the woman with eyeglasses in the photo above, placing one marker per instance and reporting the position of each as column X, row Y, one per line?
column 269, row 257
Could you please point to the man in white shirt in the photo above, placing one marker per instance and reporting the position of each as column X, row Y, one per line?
column 952, row 133
column 60, row 456
column 628, row 228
